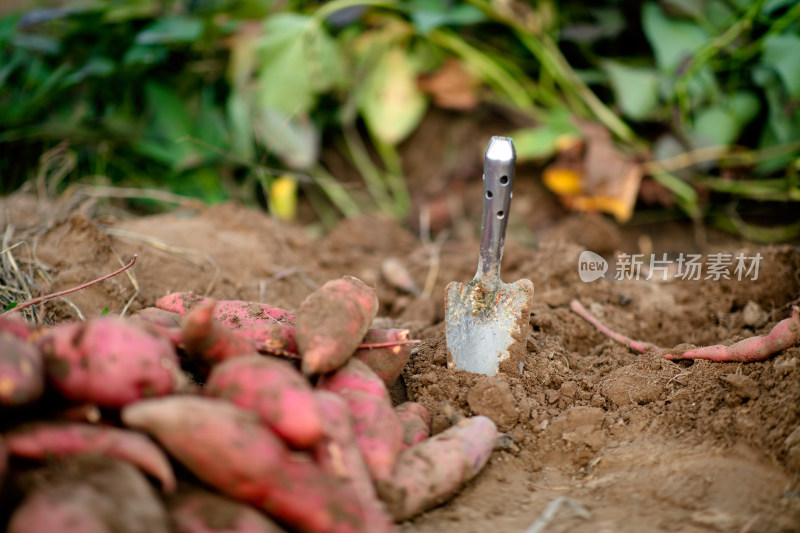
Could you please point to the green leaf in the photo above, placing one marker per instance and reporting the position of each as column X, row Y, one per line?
column 722, row 125
column 37, row 43
column 11, row 305
column 541, row 142
column 169, row 121
column 171, row 30
column 96, row 67
column 673, row 41
column 713, row 126
column 636, row 90
column 240, row 126
column 391, row 103
column 132, row 9
column 745, row 106
column 145, row 54
column 203, row 183
column 430, row 14
column 297, row 60
column 782, row 53
column 104, row 312
column 293, row 139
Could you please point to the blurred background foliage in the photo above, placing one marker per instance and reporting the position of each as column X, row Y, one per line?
column 235, row 98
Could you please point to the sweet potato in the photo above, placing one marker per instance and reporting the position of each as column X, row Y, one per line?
column 42, row 440
column 15, row 325
column 273, row 389
column 386, row 361
column 429, row 473
column 3, row 460
column 21, row 371
column 109, row 361
column 339, row 456
column 783, row 335
column 230, row 449
column 416, row 422
column 89, row 494
column 378, row 431
column 354, row 375
column 231, row 313
column 332, row 321
column 194, row 510
column 159, row 317
column 204, row 338
column 277, row 335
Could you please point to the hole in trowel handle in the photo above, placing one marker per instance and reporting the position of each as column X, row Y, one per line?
column 500, row 214
column 489, row 195
column 503, row 180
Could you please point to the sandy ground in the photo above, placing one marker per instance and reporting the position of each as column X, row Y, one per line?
column 630, row 442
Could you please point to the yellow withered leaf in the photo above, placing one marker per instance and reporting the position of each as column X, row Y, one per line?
column 283, row 197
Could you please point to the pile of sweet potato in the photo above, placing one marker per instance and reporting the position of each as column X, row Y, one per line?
column 198, row 416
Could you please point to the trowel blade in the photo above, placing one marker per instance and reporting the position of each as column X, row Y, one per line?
column 484, row 328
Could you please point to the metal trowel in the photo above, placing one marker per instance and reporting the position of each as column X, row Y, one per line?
column 486, row 319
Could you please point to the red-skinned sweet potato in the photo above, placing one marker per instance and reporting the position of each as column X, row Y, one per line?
column 21, row 371
column 279, row 394
column 159, row 317
column 431, row 472
column 339, row 456
column 354, row 375
column 387, row 362
column 3, row 460
column 15, row 325
column 332, row 321
column 277, row 335
column 42, row 440
column 230, row 449
column 204, row 338
column 109, row 361
column 194, row 510
column 416, row 421
column 89, row 494
column 378, row 431
column 230, row 313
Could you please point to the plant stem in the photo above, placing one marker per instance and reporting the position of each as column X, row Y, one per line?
column 334, row 191
column 68, row 291
column 491, row 72
column 394, row 176
column 369, row 172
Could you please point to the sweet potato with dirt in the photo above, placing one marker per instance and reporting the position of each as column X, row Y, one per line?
column 230, row 313
column 204, row 338
column 431, row 472
column 389, row 353
column 378, row 431
column 783, row 335
column 354, row 375
column 230, row 449
column 43, row 440
column 332, row 321
column 339, row 456
column 273, row 389
column 159, row 317
column 89, row 494
column 109, row 361
column 416, row 422
column 21, row 371
column 270, row 337
column 194, row 510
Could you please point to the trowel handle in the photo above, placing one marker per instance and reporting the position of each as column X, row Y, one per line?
column 498, row 181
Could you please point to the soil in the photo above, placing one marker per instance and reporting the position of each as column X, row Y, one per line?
column 641, row 443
